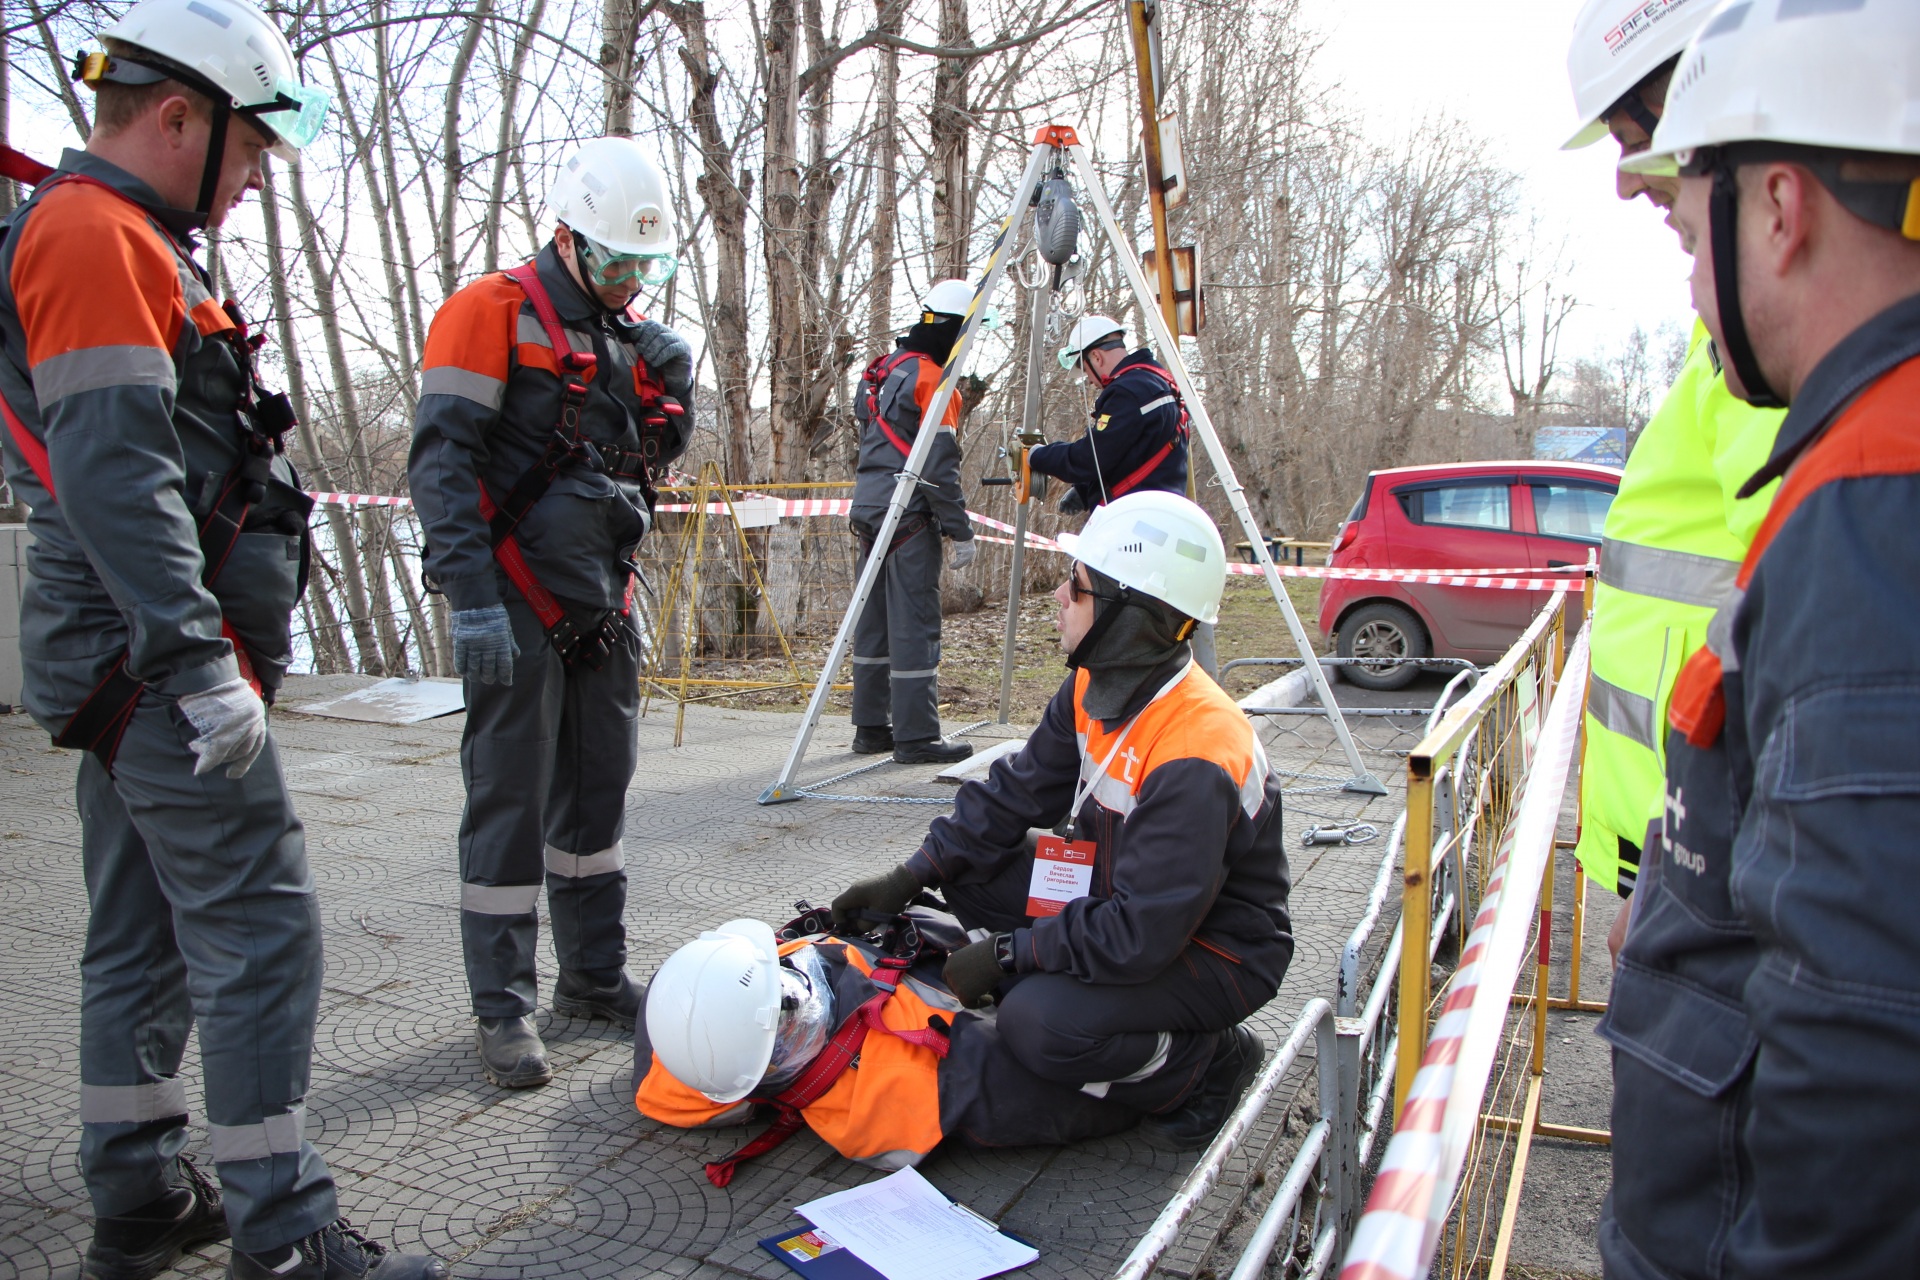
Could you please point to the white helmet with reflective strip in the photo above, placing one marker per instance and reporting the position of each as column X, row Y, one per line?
column 1161, row 545
column 225, row 45
column 1616, row 45
column 1089, row 331
column 713, row 1010
column 612, row 192
column 1843, row 74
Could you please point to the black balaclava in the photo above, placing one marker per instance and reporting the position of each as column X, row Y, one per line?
column 934, row 336
column 1128, row 640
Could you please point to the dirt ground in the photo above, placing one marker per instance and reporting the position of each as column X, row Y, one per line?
column 972, row 644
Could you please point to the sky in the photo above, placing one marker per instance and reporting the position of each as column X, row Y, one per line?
column 1500, row 66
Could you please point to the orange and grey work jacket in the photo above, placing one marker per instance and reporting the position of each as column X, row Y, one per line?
column 899, row 1100
column 1186, row 820
column 119, row 363
column 490, row 398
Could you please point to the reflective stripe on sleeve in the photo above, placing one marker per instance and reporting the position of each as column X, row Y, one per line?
column 573, row 866
column 451, row 380
column 530, row 332
column 500, row 899
column 1151, row 405
column 1679, row 576
column 274, row 1136
column 1720, row 631
column 132, row 1103
column 1627, row 714
column 91, row 368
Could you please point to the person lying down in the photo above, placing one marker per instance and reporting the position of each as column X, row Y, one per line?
column 848, row 1037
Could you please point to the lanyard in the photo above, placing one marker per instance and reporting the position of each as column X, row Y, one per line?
column 1087, row 784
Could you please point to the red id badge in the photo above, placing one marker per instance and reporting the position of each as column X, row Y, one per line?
column 1061, row 873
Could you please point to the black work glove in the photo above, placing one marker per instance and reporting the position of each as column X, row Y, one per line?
column 886, row 895
column 1072, row 504
column 974, row 971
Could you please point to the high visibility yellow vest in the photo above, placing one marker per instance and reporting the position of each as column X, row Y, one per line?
column 1674, row 539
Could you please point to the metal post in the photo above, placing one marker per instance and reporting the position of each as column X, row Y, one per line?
column 1543, row 965
column 1029, row 426
column 1416, row 930
column 1343, row 1159
column 782, row 789
column 1363, row 780
column 1150, row 149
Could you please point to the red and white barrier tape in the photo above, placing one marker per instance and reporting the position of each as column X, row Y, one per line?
column 1407, row 1209
column 807, row 508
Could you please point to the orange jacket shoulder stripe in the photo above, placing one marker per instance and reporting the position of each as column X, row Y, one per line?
column 1195, row 720
column 476, row 339
column 884, row 1108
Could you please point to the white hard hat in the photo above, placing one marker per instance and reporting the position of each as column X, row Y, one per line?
column 610, row 191
column 948, row 298
column 227, row 47
column 714, row 1008
column 1088, row 331
column 1161, row 545
column 1838, row 75
column 1616, row 45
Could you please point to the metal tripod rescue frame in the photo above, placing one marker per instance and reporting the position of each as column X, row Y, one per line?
column 1048, row 142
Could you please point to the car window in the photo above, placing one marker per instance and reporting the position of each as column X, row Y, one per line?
column 1570, row 511
column 1469, row 506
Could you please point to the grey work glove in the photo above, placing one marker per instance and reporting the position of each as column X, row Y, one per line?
column 668, row 357
column 886, row 895
column 232, row 724
column 974, row 971
column 483, row 644
column 964, row 552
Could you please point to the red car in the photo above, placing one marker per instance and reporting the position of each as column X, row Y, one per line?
column 1529, row 516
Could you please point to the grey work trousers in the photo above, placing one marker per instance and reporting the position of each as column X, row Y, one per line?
column 546, row 761
column 202, row 911
column 1145, row 1045
column 896, row 642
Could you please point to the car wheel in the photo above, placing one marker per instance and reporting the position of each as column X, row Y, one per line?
column 1381, row 630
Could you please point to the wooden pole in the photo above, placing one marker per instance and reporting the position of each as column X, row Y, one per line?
column 1150, row 144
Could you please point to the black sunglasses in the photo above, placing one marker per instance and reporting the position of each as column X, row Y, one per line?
column 1075, row 591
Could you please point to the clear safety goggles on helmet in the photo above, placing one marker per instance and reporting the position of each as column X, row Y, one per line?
column 806, row 1020
column 297, row 114
column 606, row 267
column 1070, row 358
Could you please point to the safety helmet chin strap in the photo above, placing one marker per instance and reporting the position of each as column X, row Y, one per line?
column 216, row 155
column 1723, row 213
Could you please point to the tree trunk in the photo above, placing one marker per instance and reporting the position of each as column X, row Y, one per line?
column 619, row 38
column 511, row 137
column 317, row 467
column 726, row 200
column 453, row 165
column 783, row 232
column 886, row 164
column 950, row 124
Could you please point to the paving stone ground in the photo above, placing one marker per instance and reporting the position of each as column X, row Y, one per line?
column 569, row 1180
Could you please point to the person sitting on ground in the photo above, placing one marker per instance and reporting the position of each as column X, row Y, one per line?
column 734, row 1019
column 1126, row 959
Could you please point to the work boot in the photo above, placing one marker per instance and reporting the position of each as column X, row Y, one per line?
column 511, row 1053
column 872, row 739
column 335, row 1252
column 1193, row 1123
column 577, row 995
column 141, row 1244
column 930, row 751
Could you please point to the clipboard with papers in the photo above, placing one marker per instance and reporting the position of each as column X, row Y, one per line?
column 898, row 1228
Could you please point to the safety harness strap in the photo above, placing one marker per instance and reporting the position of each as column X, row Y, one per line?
column 842, row 1051
column 565, row 444
column 1140, row 473
column 876, row 377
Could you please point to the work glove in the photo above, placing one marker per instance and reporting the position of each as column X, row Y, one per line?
column 232, row 724
column 964, row 552
column 668, row 357
column 1072, row 504
column 886, row 895
column 483, row 644
column 974, row 971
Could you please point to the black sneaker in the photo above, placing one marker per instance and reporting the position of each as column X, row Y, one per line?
column 931, row 751
column 1193, row 1123
column 146, row 1242
column 872, row 739
column 334, row 1252
column 576, row 995
column 511, row 1053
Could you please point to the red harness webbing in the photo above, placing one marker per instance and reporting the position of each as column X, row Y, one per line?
column 825, row 1071
column 875, row 377
column 1152, row 464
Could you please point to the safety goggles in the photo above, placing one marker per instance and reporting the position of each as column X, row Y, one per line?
column 1070, row 359
column 297, row 113
column 606, row 267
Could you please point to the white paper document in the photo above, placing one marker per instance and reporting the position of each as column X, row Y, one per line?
column 902, row 1227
